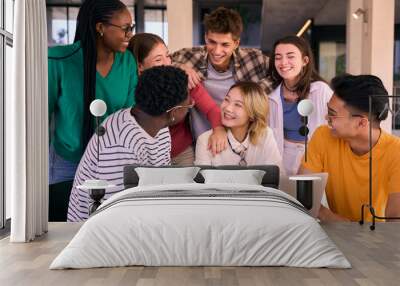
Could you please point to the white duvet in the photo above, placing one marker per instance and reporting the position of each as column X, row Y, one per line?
column 232, row 229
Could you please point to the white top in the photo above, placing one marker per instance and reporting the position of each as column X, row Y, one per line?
column 264, row 153
column 320, row 94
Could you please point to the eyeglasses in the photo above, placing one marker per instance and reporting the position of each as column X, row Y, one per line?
column 126, row 29
column 190, row 105
column 330, row 117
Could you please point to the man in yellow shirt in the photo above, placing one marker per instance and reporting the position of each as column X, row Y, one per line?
column 342, row 150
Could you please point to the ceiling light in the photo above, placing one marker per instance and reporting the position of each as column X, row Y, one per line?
column 304, row 28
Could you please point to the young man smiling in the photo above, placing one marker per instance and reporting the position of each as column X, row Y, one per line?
column 342, row 150
column 221, row 62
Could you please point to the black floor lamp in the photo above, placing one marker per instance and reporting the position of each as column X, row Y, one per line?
column 97, row 187
column 304, row 184
column 370, row 205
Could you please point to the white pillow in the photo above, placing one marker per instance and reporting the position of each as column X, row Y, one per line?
column 248, row 177
column 163, row 176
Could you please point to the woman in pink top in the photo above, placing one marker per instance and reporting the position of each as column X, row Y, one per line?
column 150, row 50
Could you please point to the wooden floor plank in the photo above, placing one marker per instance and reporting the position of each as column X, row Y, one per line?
column 375, row 257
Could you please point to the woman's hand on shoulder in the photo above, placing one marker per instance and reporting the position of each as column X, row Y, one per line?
column 218, row 140
column 193, row 77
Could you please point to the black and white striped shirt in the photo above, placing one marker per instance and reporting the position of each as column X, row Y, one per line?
column 124, row 143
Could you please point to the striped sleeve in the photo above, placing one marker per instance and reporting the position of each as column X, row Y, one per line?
column 124, row 143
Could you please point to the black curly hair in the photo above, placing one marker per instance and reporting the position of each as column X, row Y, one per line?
column 161, row 88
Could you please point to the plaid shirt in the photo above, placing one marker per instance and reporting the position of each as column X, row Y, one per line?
column 249, row 64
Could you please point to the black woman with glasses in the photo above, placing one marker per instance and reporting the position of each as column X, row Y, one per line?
column 95, row 66
column 244, row 114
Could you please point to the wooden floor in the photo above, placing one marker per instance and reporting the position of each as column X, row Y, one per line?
column 374, row 255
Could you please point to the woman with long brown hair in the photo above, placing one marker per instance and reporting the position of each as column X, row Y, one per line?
column 294, row 78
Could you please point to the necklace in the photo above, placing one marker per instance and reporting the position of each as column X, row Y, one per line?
column 241, row 154
column 293, row 90
column 291, row 95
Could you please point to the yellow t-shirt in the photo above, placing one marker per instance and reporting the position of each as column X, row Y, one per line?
column 348, row 183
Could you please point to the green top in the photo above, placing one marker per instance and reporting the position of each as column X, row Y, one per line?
column 66, row 94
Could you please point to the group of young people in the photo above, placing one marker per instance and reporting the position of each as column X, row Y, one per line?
column 243, row 111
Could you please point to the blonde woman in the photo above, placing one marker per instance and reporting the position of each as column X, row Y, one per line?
column 244, row 113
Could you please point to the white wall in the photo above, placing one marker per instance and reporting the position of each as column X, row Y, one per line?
column 370, row 42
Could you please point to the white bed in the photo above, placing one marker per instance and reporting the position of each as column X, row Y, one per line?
column 203, row 225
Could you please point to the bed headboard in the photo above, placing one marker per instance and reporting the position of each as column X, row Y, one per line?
column 270, row 179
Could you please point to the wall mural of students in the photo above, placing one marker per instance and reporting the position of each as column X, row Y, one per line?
column 96, row 65
column 150, row 50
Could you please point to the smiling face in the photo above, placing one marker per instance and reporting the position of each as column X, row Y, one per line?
column 114, row 36
column 220, row 48
column 343, row 121
column 289, row 61
column 158, row 56
column 233, row 113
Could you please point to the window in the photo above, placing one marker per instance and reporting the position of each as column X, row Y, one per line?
column 332, row 59
column 61, row 23
column 396, row 111
column 9, row 12
column 396, row 80
column 6, row 43
column 329, row 47
column 2, row 43
column 8, row 80
column 396, row 71
column 155, row 21
column 396, row 64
